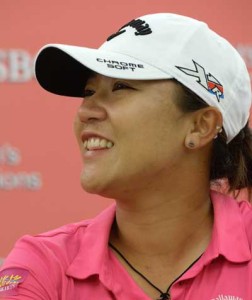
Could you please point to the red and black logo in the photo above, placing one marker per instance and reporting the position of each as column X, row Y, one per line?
column 207, row 80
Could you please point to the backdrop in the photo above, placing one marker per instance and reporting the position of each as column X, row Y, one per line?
column 39, row 159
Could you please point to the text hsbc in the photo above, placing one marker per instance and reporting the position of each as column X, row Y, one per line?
column 16, row 65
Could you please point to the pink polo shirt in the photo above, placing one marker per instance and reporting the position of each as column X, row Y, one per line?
column 74, row 262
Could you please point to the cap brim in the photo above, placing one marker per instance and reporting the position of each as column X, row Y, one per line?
column 64, row 69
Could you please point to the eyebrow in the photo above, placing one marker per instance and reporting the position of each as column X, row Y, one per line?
column 92, row 74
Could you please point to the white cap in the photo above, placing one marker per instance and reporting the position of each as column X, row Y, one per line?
column 157, row 46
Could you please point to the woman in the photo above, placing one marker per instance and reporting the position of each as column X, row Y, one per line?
column 164, row 114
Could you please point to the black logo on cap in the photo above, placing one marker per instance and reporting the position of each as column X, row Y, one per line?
column 142, row 28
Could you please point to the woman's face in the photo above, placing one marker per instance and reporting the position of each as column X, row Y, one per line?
column 130, row 133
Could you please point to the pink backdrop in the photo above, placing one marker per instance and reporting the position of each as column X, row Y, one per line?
column 39, row 159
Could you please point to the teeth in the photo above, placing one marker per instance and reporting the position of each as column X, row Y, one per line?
column 109, row 144
column 96, row 143
column 103, row 143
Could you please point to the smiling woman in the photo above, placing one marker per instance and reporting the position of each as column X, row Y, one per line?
column 158, row 122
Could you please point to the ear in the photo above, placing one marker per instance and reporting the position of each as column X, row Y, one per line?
column 206, row 124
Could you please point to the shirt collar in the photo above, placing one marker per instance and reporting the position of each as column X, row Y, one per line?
column 229, row 237
column 93, row 254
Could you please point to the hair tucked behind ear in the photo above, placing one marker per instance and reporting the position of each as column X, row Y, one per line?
column 234, row 160
column 231, row 162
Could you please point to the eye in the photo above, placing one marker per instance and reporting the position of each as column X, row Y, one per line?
column 121, row 86
column 88, row 93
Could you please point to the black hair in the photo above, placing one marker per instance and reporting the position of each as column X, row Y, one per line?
column 230, row 163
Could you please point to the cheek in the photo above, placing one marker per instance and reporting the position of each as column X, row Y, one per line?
column 155, row 128
column 155, row 140
column 77, row 127
column 149, row 142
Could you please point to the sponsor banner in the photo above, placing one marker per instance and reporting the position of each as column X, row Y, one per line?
column 16, row 65
column 10, row 157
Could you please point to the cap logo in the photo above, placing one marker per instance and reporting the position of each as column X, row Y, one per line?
column 207, row 80
column 142, row 28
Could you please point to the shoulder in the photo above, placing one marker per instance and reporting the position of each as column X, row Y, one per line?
column 57, row 248
column 233, row 213
column 58, row 245
column 246, row 214
column 36, row 268
column 36, row 263
column 64, row 239
column 242, row 211
column 236, row 207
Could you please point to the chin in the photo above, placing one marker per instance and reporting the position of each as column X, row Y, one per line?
column 92, row 185
column 96, row 188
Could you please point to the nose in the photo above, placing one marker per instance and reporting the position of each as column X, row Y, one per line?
column 90, row 111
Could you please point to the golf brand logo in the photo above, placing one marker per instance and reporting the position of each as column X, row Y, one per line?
column 10, row 279
column 142, row 28
column 227, row 297
column 206, row 80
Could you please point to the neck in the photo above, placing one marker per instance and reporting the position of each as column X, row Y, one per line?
column 169, row 227
column 163, row 225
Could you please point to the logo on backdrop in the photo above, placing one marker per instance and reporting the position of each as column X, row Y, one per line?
column 207, row 80
column 12, row 180
column 142, row 28
column 16, row 65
